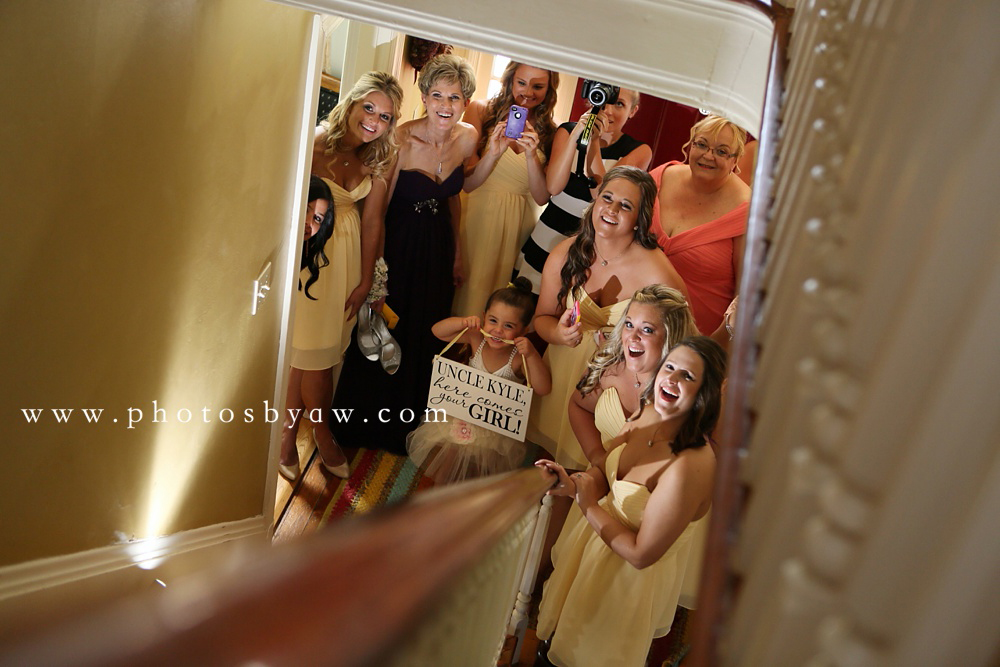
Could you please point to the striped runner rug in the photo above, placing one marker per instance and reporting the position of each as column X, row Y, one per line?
column 378, row 478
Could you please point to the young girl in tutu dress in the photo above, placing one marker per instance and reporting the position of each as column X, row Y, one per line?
column 453, row 450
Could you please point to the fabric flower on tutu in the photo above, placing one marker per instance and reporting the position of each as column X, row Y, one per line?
column 462, row 431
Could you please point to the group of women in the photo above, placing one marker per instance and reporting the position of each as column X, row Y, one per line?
column 628, row 267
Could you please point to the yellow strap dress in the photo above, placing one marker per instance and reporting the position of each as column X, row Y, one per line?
column 598, row 610
column 548, row 424
column 497, row 218
column 322, row 332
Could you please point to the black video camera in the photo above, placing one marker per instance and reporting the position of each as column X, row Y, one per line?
column 599, row 94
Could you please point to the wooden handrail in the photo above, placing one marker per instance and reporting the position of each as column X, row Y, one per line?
column 717, row 582
column 344, row 597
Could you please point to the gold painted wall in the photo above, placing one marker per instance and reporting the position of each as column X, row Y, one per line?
column 148, row 174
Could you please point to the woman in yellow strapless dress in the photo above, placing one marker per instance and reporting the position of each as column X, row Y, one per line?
column 352, row 152
column 657, row 318
column 620, row 559
column 586, row 284
column 505, row 182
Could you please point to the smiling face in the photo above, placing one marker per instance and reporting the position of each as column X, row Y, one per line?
column 713, row 158
column 445, row 102
column 678, row 382
column 529, row 86
column 370, row 117
column 315, row 212
column 616, row 209
column 643, row 338
column 502, row 321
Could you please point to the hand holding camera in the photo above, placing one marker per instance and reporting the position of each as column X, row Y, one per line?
column 598, row 95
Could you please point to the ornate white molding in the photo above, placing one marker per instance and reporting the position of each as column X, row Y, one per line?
column 704, row 53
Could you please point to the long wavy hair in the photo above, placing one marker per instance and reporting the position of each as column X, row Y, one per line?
column 582, row 253
column 313, row 256
column 377, row 155
column 675, row 314
column 540, row 116
column 697, row 428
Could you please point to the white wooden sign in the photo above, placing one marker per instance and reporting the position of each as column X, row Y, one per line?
column 480, row 398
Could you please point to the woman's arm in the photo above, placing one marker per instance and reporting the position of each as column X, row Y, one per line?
column 568, row 485
column 639, row 157
column 536, row 173
column 553, row 322
column 563, row 156
column 494, row 149
column 372, row 228
column 681, row 489
column 581, row 419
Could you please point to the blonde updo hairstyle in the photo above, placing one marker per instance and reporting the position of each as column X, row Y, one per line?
column 675, row 314
column 450, row 69
column 377, row 155
column 712, row 127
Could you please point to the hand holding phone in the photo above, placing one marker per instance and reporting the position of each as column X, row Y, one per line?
column 516, row 119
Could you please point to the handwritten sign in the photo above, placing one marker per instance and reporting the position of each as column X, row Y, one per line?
column 480, row 398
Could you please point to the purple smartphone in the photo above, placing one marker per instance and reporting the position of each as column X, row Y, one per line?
column 515, row 122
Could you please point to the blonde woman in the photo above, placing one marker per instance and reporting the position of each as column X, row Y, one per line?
column 353, row 153
column 700, row 218
column 657, row 318
column 424, row 264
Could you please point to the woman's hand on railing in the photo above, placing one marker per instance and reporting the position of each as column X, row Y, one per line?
column 562, row 484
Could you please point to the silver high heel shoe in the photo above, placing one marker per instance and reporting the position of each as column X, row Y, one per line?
column 368, row 343
column 390, row 353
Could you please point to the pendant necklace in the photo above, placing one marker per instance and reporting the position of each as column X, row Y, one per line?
column 649, row 443
column 439, row 168
column 604, row 262
column 637, row 383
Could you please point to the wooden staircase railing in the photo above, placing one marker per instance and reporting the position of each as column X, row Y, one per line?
column 436, row 576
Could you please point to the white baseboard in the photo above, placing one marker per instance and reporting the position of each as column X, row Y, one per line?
column 169, row 556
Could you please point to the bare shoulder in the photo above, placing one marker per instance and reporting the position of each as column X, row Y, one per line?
column 559, row 253
column 474, row 114
column 699, row 462
column 656, row 266
column 738, row 190
column 466, row 138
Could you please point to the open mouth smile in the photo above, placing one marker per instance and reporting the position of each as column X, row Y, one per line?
column 667, row 396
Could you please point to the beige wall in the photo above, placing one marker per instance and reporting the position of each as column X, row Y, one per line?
column 149, row 170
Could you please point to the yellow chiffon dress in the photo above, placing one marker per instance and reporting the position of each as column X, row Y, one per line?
column 497, row 218
column 548, row 424
column 322, row 331
column 609, row 418
column 598, row 610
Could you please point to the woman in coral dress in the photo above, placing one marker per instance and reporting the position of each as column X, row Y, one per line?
column 700, row 219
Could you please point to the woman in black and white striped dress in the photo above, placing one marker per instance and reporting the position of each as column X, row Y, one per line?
column 571, row 192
